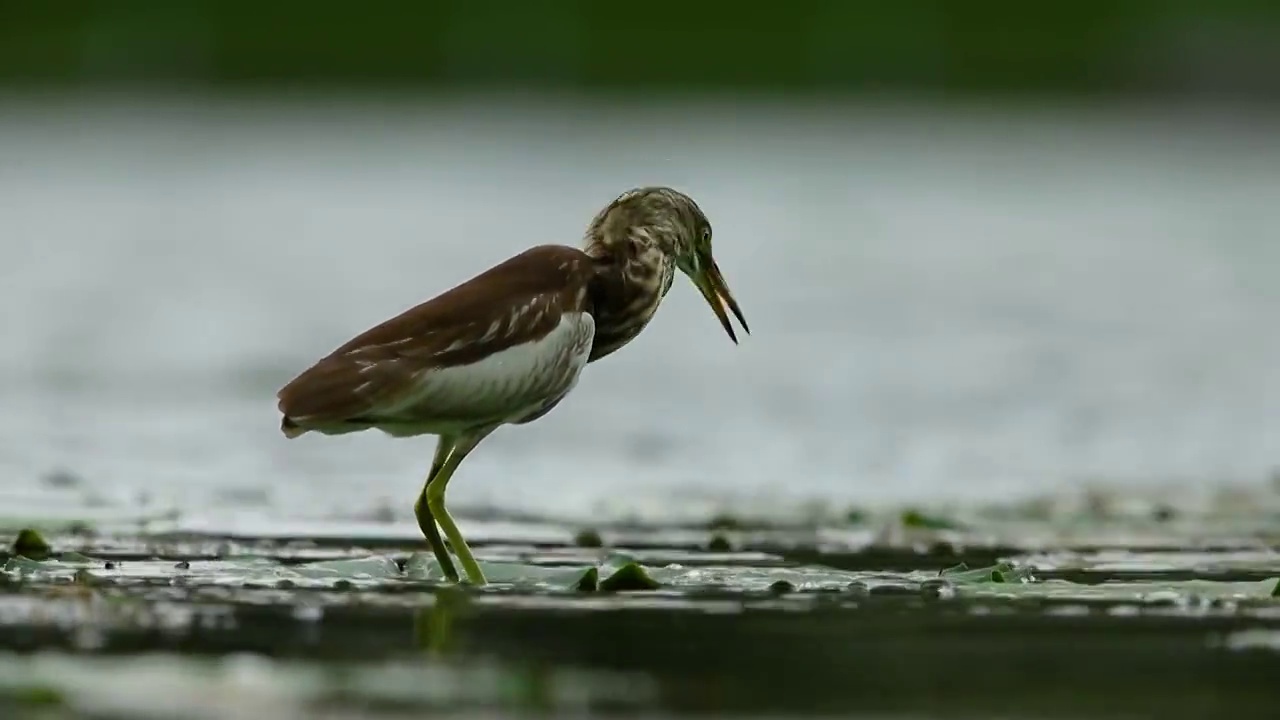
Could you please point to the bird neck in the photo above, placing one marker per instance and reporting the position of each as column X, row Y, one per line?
column 631, row 279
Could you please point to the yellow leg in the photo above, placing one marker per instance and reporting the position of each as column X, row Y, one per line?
column 422, row 511
column 435, row 501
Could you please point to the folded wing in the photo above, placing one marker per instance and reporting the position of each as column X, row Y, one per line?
column 385, row 373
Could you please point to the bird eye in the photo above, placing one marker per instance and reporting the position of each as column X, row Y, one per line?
column 706, row 234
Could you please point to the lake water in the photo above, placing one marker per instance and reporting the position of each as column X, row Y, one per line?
column 947, row 303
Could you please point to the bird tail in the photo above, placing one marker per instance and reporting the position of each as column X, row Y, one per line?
column 290, row 428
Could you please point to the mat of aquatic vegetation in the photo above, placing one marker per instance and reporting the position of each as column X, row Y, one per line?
column 927, row 615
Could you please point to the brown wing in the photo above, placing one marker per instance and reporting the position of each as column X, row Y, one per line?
column 518, row 300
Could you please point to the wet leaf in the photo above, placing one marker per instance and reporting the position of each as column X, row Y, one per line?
column 377, row 567
column 65, row 564
column 22, row 566
column 913, row 518
column 588, row 538
column 75, row 558
column 423, row 566
column 719, row 544
column 998, row 573
column 30, row 543
column 781, row 587
column 856, row 516
column 1139, row 592
column 35, row 696
column 619, row 572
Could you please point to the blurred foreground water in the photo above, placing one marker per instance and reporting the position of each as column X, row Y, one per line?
column 968, row 303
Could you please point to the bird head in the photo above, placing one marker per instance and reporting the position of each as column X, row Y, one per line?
column 668, row 223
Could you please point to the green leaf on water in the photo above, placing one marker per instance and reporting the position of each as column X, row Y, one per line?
column 1269, row 588
column 914, row 518
column 856, row 516
column 588, row 538
column 423, row 566
column 1004, row 579
column 376, row 567
column 19, row 565
column 589, row 582
column 781, row 587
column 620, row 573
column 71, row 566
column 34, row 696
column 719, row 544
column 1134, row 591
column 998, row 573
column 75, row 558
column 31, row 544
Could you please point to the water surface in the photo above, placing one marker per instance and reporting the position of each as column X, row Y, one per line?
column 947, row 303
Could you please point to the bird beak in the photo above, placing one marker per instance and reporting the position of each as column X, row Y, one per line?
column 716, row 292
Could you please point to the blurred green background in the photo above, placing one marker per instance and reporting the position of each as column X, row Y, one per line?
column 1176, row 47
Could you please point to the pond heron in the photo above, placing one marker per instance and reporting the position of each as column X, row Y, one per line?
column 506, row 346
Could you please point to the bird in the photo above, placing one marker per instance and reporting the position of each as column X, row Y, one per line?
column 508, row 345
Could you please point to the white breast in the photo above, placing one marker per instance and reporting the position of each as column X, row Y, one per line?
column 505, row 387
